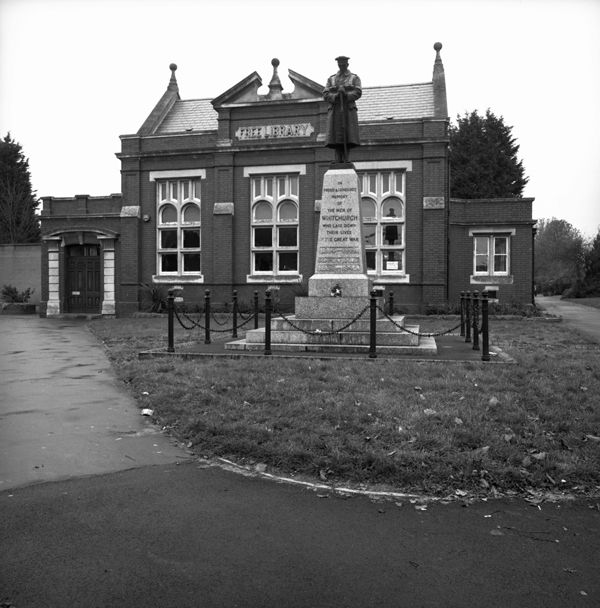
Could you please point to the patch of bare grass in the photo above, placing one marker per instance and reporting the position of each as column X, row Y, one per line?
column 429, row 427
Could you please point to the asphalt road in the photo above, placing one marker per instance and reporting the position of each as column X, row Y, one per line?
column 124, row 518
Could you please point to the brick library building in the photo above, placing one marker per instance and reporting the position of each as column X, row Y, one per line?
column 224, row 194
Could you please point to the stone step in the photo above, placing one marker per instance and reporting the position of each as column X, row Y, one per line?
column 290, row 322
column 399, row 338
column 426, row 346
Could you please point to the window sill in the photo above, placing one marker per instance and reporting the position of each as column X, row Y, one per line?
column 169, row 279
column 484, row 279
column 259, row 278
column 381, row 279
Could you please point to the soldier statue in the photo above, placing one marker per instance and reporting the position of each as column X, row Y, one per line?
column 342, row 91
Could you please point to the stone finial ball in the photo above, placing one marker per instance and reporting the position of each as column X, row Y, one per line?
column 275, row 62
column 437, row 46
column 173, row 67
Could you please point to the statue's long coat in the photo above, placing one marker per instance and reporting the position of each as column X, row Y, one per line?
column 335, row 117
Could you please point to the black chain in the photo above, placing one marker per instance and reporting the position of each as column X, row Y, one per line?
column 200, row 326
column 416, row 333
column 319, row 332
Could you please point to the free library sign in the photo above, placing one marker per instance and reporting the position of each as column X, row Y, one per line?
column 275, row 131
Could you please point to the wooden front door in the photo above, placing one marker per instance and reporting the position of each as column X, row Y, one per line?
column 83, row 287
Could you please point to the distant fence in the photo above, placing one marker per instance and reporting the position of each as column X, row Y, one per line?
column 21, row 266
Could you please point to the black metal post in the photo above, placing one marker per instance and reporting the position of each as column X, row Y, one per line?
column 207, row 317
column 391, row 304
column 475, row 320
column 462, row 313
column 485, row 329
column 170, row 315
column 267, row 322
column 468, row 316
column 235, row 314
column 373, row 326
column 256, row 310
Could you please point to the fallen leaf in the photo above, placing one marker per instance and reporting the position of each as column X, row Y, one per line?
column 323, row 474
column 496, row 532
column 429, row 412
column 261, row 467
column 493, row 401
column 458, row 421
column 539, row 455
column 460, row 492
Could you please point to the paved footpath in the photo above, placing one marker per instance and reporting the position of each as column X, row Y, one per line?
column 583, row 319
column 175, row 532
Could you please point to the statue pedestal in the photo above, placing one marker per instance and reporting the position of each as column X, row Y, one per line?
column 339, row 291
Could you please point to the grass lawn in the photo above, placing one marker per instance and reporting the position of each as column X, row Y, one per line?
column 430, row 427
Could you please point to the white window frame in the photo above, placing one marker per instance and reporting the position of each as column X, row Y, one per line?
column 275, row 189
column 380, row 185
column 491, row 235
column 171, row 192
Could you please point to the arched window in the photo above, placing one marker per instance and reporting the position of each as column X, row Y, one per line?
column 179, row 221
column 275, row 225
column 383, row 216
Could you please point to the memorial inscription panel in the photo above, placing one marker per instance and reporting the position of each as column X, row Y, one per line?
column 340, row 247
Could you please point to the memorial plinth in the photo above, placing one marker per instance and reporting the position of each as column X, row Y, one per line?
column 339, row 288
column 334, row 317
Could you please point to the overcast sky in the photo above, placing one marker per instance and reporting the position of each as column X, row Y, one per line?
column 76, row 74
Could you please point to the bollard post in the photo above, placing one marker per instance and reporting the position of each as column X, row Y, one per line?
column 475, row 320
column 170, row 314
column 468, row 316
column 207, row 317
column 256, row 310
column 485, row 329
column 391, row 304
column 235, row 314
column 462, row 314
column 373, row 326
column 267, row 322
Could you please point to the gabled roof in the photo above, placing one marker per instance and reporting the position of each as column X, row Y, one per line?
column 399, row 102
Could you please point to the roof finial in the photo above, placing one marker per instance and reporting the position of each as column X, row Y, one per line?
column 439, row 84
column 275, row 87
column 173, row 82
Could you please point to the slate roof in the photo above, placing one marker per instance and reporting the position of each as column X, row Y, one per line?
column 377, row 103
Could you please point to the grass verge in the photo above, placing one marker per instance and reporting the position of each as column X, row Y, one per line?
column 430, row 427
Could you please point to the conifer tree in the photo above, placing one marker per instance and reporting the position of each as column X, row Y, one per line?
column 18, row 221
column 483, row 158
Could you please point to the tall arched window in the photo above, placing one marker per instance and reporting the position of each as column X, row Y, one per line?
column 383, row 215
column 178, row 213
column 274, row 225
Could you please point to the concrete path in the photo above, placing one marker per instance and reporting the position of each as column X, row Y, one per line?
column 583, row 319
column 62, row 413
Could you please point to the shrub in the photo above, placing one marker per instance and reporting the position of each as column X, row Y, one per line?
column 154, row 297
column 11, row 294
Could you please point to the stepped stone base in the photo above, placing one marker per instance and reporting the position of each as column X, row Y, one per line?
column 426, row 346
column 293, row 334
column 326, row 307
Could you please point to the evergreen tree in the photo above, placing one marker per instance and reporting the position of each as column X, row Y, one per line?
column 483, row 158
column 18, row 221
